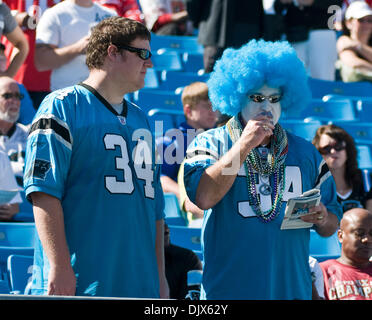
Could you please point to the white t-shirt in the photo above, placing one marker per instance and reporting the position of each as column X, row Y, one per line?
column 63, row 25
column 14, row 145
column 7, row 179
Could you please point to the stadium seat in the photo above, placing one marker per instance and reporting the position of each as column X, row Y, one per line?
column 301, row 128
column 171, row 80
column 332, row 110
column 167, row 61
column 185, row 237
column 172, row 211
column 192, row 62
column 321, row 88
column 157, row 99
column 364, row 157
column 162, row 120
column 151, row 79
column 17, row 234
column 324, row 248
column 19, row 272
column 15, row 238
column 161, row 43
column 4, row 287
column 360, row 131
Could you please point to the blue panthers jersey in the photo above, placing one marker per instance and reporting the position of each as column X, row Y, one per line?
column 101, row 166
column 245, row 258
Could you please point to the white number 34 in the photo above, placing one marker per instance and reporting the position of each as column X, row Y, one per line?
column 142, row 162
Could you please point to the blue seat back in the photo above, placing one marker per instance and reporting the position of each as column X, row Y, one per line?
column 332, row 110
column 172, row 211
column 162, row 120
column 364, row 157
column 322, row 248
column 19, row 272
column 167, row 61
column 192, row 62
column 301, row 128
column 160, row 99
column 321, row 88
column 185, row 237
column 360, row 131
column 17, row 234
column 160, row 43
column 171, row 80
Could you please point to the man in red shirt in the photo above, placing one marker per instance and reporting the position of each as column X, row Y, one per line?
column 350, row 276
column 27, row 13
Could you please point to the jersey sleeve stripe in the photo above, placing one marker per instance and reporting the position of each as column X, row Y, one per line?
column 52, row 125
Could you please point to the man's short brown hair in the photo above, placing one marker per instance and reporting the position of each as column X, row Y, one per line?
column 113, row 30
column 195, row 92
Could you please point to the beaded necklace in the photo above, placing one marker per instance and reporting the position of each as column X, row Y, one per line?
column 273, row 165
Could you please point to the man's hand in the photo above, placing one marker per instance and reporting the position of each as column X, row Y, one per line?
column 8, row 211
column 61, row 281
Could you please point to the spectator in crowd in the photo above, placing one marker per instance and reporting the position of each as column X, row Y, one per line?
column 124, row 8
column 354, row 47
column 172, row 146
column 8, row 183
column 226, row 23
column 27, row 110
column 341, row 15
column 339, row 152
column 273, row 22
column 13, row 33
column 245, row 171
column 350, row 276
column 166, row 17
column 62, row 35
column 27, row 15
column 178, row 261
column 13, row 135
column 309, row 28
column 88, row 135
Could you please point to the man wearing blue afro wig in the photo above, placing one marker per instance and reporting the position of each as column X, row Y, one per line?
column 243, row 173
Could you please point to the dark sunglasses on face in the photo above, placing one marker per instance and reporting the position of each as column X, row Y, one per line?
column 10, row 95
column 144, row 54
column 259, row 98
column 337, row 146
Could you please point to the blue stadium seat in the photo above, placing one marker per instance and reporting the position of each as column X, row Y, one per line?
column 321, row 88
column 19, row 272
column 151, row 79
column 330, row 111
column 167, row 61
column 15, row 238
column 171, row 80
column 192, row 62
column 185, row 237
column 161, row 43
column 157, row 99
column 162, row 120
column 364, row 157
column 26, row 213
column 360, row 131
column 172, row 211
column 322, row 248
column 301, row 128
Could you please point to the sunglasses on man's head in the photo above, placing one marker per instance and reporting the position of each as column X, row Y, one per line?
column 144, row 54
column 10, row 95
column 337, row 146
column 259, row 98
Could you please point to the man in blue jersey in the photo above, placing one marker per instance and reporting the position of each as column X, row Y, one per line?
column 244, row 173
column 92, row 177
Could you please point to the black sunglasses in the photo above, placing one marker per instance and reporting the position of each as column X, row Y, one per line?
column 9, row 95
column 259, row 98
column 337, row 146
column 144, row 54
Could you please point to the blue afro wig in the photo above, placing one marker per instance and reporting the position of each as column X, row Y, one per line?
column 242, row 71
